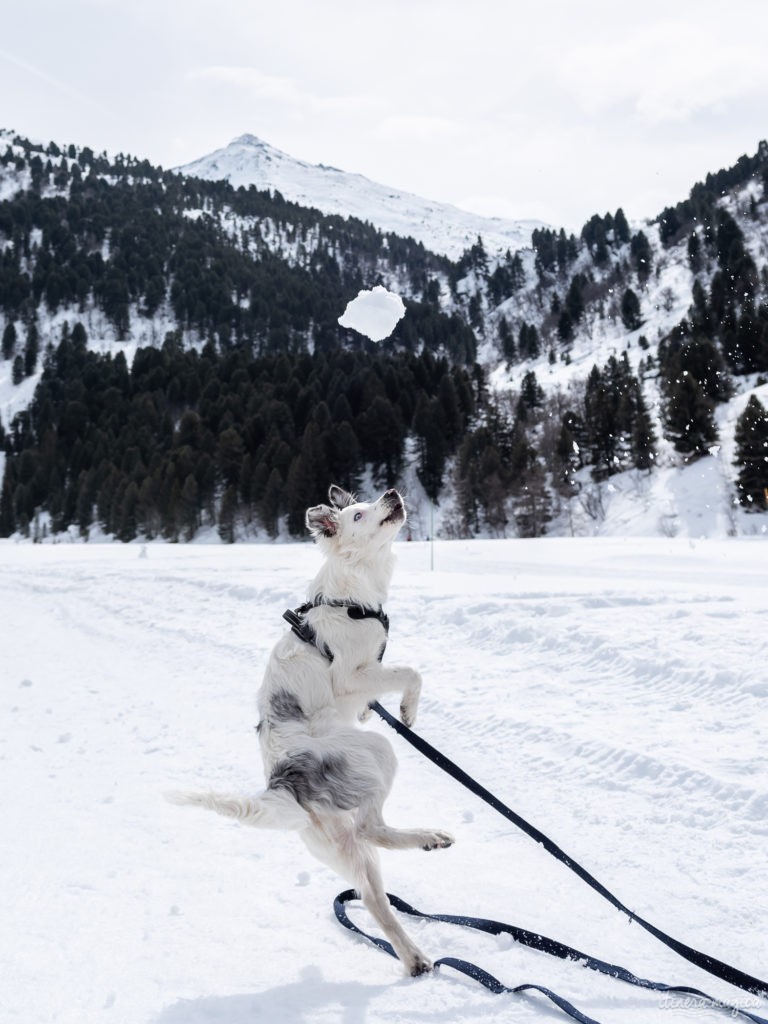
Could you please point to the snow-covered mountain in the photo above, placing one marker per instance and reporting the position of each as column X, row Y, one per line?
column 136, row 259
column 442, row 228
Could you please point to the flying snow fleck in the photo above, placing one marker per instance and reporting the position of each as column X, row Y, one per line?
column 374, row 313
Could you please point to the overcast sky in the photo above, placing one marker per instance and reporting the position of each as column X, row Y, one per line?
column 548, row 109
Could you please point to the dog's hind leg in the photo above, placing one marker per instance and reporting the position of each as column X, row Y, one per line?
column 335, row 840
column 371, row 889
column 271, row 809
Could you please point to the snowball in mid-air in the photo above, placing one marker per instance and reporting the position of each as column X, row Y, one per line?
column 374, row 313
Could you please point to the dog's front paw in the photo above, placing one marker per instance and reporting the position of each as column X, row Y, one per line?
column 410, row 703
column 437, row 840
column 408, row 713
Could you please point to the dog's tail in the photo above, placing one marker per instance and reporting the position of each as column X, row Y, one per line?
column 270, row 809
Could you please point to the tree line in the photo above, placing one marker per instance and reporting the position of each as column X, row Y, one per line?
column 185, row 438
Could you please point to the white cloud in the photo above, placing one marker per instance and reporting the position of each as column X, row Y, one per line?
column 44, row 76
column 271, row 87
column 283, row 89
column 667, row 70
column 416, row 128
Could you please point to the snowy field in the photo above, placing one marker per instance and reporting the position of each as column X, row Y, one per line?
column 614, row 693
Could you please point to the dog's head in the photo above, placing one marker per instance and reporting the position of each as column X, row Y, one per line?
column 356, row 527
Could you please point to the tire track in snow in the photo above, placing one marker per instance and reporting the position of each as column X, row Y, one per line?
column 566, row 658
column 549, row 753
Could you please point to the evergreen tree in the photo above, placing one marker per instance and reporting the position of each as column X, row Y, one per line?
column 528, row 342
column 85, row 501
column 694, row 252
column 433, row 446
column 227, row 514
column 531, row 392
column 543, row 241
column 493, row 492
column 613, row 405
column 189, row 507
column 752, row 456
column 630, row 311
column 565, row 326
column 7, row 509
column 481, row 480
column 574, row 299
column 382, row 437
column 568, row 458
column 344, row 456
column 507, row 340
column 699, row 357
column 532, row 504
column 688, row 417
column 127, row 525
column 32, row 350
column 599, row 417
column 640, row 250
column 621, row 227
column 269, row 502
column 594, row 235
column 9, row 340
column 17, row 373
column 701, row 318
column 643, row 434
column 230, row 452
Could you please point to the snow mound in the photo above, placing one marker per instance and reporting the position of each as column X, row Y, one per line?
column 374, row 313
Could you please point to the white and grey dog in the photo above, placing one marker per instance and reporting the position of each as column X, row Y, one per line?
column 327, row 778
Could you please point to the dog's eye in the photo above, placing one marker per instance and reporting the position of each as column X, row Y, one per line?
column 358, row 515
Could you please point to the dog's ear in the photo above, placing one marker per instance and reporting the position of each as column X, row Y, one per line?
column 321, row 521
column 339, row 497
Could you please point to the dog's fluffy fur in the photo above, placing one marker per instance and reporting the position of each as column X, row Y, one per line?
column 328, row 779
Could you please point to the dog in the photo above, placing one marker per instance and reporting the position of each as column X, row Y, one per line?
column 327, row 778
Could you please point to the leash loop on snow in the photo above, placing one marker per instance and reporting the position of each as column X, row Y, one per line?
column 710, row 964
column 533, row 940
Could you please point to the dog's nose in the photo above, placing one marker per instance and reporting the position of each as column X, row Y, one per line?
column 391, row 493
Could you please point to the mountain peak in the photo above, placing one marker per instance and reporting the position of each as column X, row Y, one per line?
column 248, row 140
column 440, row 227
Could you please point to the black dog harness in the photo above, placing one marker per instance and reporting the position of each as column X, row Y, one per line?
column 296, row 617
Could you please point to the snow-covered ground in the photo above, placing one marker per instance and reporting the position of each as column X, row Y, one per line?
column 613, row 692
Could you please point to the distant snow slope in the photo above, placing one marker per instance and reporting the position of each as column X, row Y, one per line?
column 612, row 693
column 442, row 228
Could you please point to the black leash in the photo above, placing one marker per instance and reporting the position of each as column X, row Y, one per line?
column 713, row 966
column 464, row 966
column 533, row 940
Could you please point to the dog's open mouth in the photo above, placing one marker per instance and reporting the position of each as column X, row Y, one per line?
column 396, row 514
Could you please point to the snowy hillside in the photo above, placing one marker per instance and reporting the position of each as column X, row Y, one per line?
column 613, row 693
column 697, row 499
column 441, row 228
